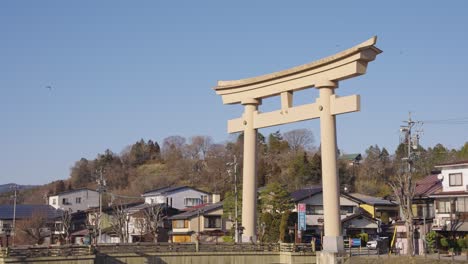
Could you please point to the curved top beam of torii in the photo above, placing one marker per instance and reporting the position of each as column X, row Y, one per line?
column 346, row 64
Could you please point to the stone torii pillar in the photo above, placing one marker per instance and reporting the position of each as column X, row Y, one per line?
column 324, row 75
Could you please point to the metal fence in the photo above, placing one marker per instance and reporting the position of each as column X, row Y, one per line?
column 74, row 250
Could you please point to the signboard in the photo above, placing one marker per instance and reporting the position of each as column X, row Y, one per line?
column 301, row 217
column 356, row 242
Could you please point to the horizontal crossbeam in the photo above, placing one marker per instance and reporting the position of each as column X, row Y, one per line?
column 339, row 105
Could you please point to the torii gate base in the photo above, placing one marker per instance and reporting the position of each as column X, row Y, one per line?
column 324, row 75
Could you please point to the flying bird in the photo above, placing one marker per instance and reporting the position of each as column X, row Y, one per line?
column 49, row 87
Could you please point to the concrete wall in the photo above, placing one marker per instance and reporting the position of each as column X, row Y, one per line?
column 175, row 258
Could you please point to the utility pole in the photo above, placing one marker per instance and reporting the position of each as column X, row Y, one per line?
column 412, row 143
column 236, row 197
column 102, row 187
column 15, row 196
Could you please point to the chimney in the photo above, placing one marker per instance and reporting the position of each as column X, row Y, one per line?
column 215, row 198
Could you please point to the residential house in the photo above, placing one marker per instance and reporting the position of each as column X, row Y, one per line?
column 351, row 159
column 312, row 197
column 451, row 201
column 384, row 210
column 75, row 200
column 204, row 223
column 180, row 198
column 25, row 212
column 143, row 217
column 360, row 222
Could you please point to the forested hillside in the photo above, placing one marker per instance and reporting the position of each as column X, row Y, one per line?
column 290, row 159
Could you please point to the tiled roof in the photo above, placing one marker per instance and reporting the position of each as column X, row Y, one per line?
column 24, row 211
column 302, row 194
column 371, row 200
column 427, row 186
column 201, row 210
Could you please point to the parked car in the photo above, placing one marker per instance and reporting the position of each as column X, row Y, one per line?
column 372, row 244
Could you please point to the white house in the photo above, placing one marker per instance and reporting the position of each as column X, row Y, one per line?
column 180, row 198
column 312, row 197
column 451, row 202
column 75, row 200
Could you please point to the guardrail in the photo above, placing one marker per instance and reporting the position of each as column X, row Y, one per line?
column 75, row 250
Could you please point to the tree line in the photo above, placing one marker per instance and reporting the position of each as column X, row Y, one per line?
column 290, row 159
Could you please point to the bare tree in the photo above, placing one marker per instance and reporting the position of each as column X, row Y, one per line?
column 153, row 220
column 119, row 222
column 34, row 229
column 299, row 139
column 403, row 187
column 66, row 220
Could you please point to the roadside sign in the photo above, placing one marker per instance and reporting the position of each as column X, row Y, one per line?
column 301, row 215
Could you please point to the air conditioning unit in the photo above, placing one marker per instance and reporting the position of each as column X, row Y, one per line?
column 435, row 222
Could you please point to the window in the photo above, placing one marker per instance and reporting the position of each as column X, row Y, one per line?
column 65, row 201
column 455, row 179
column 212, row 221
column 192, row 201
column 443, row 206
column 462, row 204
column 314, row 209
column 54, row 201
column 78, row 200
column 346, row 209
column 180, row 224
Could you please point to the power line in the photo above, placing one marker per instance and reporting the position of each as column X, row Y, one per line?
column 448, row 121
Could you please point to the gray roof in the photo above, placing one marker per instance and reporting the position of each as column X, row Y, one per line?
column 199, row 210
column 168, row 190
column 354, row 156
column 302, row 194
column 72, row 191
column 25, row 211
column 371, row 200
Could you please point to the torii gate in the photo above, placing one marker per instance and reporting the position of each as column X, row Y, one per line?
column 322, row 74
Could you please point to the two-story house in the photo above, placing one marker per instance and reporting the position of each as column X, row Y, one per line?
column 204, row 223
column 350, row 210
column 384, row 210
column 75, row 200
column 451, row 202
column 181, row 197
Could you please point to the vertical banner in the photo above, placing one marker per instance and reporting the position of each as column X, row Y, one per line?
column 301, row 217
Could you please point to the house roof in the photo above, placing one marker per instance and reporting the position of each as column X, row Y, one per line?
column 304, row 193
column 453, row 193
column 72, row 191
column 354, row 156
column 427, row 186
column 25, row 211
column 452, row 164
column 361, row 213
column 168, row 190
column 371, row 200
column 201, row 210
column 307, row 192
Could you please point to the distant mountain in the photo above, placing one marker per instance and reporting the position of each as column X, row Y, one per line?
column 9, row 187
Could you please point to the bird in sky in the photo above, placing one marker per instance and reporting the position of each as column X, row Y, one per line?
column 49, row 87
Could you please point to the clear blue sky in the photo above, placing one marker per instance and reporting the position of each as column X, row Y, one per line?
column 125, row 70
